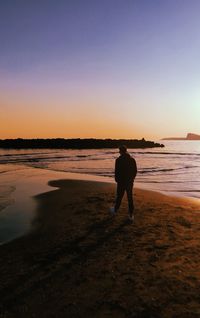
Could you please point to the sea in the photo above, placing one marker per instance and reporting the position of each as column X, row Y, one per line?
column 173, row 170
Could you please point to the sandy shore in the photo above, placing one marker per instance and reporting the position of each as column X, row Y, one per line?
column 80, row 262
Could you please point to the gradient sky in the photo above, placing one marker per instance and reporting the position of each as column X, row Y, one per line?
column 90, row 68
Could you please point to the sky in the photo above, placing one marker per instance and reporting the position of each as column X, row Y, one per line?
column 102, row 69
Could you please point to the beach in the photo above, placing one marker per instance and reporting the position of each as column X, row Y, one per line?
column 79, row 261
column 174, row 169
column 93, row 92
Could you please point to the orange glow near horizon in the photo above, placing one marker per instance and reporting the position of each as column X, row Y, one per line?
column 83, row 118
column 53, row 127
column 47, row 119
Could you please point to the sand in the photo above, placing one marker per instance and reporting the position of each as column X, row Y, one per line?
column 78, row 261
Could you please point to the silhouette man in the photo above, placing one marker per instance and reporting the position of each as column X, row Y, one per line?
column 125, row 173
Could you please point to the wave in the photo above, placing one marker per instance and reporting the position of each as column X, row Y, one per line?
column 106, row 155
column 159, row 182
column 4, row 171
column 165, row 153
column 155, row 170
column 53, row 159
column 32, row 159
column 82, row 156
column 27, row 154
column 189, row 190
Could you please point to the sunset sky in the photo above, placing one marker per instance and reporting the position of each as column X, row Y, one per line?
column 90, row 68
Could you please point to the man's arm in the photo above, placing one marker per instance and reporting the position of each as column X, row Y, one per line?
column 134, row 168
column 116, row 170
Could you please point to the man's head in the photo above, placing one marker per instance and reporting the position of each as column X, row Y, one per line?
column 122, row 149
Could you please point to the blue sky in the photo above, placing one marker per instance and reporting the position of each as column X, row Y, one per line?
column 99, row 68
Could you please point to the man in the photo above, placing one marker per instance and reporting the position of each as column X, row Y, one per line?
column 125, row 173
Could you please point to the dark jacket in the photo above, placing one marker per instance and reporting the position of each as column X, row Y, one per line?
column 125, row 168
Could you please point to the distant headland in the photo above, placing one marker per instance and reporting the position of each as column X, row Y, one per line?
column 190, row 136
column 61, row 143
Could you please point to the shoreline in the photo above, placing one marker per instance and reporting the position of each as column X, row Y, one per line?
column 17, row 216
column 148, row 268
column 17, row 204
column 157, row 170
column 92, row 177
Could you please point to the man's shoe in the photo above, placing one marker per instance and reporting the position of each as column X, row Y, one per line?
column 112, row 211
column 131, row 218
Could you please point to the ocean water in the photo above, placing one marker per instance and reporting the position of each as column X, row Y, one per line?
column 174, row 169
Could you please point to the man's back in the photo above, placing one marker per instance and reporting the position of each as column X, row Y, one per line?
column 125, row 168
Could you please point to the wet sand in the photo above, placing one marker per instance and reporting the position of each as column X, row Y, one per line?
column 78, row 261
column 18, row 185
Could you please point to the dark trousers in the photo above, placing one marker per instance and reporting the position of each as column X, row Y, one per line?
column 121, row 189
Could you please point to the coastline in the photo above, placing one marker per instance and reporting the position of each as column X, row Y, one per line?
column 20, row 184
column 147, row 268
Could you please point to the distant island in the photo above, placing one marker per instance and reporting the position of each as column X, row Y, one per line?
column 61, row 143
column 189, row 136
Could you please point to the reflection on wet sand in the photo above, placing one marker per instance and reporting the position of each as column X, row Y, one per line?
column 17, row 205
